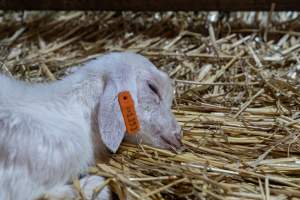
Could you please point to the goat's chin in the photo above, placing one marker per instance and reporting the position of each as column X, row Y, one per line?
column 139, row 139
column 167, row 145
column 157, row 142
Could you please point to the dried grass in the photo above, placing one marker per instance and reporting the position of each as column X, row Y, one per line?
column 237, row 95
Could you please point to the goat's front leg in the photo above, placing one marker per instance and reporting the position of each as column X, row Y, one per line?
column 88, row 184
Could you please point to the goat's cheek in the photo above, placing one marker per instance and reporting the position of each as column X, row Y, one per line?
column 145, row 114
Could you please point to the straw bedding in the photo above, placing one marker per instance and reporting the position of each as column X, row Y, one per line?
column 237, row 95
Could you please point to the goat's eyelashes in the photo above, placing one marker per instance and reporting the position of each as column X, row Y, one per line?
column 154, row 89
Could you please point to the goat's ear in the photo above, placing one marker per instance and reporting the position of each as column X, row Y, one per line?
column 111, row 123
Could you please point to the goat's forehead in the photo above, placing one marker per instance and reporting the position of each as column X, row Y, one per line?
column 144, row 69
column 147, row 70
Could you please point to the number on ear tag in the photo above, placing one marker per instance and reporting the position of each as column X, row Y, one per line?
column 128, row 111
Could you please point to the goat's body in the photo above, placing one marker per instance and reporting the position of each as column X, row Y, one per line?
column 45, row 135
column 51, row 132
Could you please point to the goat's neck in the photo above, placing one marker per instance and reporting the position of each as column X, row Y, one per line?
column 82, row 87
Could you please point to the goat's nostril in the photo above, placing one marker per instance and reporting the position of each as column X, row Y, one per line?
column 178, row 135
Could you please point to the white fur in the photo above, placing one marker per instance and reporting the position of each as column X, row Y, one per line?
column 87, row 185
column 48, row 131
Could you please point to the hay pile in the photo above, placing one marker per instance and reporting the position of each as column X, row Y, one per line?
column 237, row 88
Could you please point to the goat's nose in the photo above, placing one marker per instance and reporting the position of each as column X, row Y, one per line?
column 178, row 135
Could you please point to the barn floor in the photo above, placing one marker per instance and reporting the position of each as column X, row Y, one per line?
column 237, row 94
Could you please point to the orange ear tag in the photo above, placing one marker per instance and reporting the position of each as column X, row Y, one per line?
column 128, row 111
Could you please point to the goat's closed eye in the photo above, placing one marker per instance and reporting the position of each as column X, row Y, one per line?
column 154, row 89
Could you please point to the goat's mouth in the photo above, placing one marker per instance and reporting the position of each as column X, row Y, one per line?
column 174, row 145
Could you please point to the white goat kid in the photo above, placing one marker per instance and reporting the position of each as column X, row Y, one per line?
column 50, row 133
